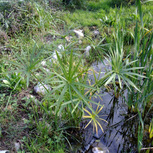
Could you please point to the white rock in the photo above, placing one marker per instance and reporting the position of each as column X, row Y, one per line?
column 96, row 150
column 6, row 82
column 32, row 98
column 87, row 49
column 17, row 146
column 99, row 150
column 43, row 63
column 4, row 151
column 37, row 74
column 79, row 33
column 54, row 56
column 61, row 47
column 80, row 41
column 47, row 70
column 68, row 38
column 50, row 60
column 39, row 88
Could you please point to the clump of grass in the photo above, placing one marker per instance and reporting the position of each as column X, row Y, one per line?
column 123, row 70
column 69, row 87
column 142, row 52
column 27, row 64
column 23, row 17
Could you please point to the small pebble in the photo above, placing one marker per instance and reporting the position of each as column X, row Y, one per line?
column 47, row 70
column 43, row 63
column 87, row 49
column 99, row 150
column 61, row 47
column 39, row 88
column 68, row 38
column 54, row 56
column 96, row 33
column 79, row 33
column 17, row 146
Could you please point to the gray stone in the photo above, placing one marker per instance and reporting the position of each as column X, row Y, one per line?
column 33, row 98
column 47, row 70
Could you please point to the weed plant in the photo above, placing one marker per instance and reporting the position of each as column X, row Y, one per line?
column 27, row 63
column 123, row 70
column 95, row 119
column 143, row 52
column 69, row 86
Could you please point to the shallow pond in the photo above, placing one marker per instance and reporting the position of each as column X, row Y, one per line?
column 120, row 134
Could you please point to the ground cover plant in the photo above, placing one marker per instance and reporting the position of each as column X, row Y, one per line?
column 45, row 58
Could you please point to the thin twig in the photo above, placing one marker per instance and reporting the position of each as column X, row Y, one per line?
column 131, row 117
column 150, row 148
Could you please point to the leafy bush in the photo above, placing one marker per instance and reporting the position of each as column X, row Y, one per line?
column 14, row 82
column 11, row 80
